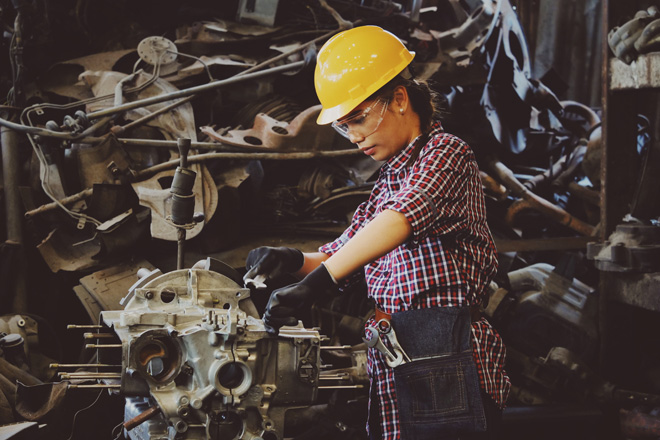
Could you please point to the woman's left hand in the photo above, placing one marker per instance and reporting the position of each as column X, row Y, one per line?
column 284, row 303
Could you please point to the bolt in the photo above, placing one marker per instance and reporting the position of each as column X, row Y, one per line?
column 196, row 403
column 21, row 323
column 149, row 294
column 184, row 400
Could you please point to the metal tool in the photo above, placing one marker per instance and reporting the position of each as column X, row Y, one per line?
column 258, row 282
column 375, row 341
column 384, row 327
column 401, row 356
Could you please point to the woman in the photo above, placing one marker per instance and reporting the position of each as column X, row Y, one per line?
column 422, row 240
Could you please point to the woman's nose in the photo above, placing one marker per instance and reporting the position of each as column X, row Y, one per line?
column 355, row 138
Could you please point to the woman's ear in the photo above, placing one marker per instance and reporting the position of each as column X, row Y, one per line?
column 400, row 99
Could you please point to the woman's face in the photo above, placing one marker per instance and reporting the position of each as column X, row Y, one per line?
column 379, row 128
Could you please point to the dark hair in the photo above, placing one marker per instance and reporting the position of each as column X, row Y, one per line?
column 424, row 100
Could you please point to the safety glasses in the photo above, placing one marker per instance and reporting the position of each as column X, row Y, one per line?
column 362, row 123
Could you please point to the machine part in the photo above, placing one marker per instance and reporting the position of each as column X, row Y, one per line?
column 269, row 134
column 64, row 249
column 198, row 158
column 559, row 376
column 545, row 308
column 649, row 39
column 193, row 346
column 179, row 122
column 645, row 205
column 153, row 194
column 622, row 39
column 157, row 50
column 103, row 163
column 529, row 200
column 508, row 95
column 183, row 200
column 261, row 12
column 632, row 247
column 104, row 289
column 320, row 181
column 591, row 164
column 193, row 90
column 65, row 201
column 472, row 34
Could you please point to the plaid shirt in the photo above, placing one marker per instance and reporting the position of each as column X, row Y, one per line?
column 448, row 262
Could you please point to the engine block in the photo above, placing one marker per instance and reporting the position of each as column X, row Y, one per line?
column 197, row 362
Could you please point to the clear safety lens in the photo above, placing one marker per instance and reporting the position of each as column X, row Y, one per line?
column 364, row 122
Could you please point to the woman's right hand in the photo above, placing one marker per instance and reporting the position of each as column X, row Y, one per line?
column 267, row 263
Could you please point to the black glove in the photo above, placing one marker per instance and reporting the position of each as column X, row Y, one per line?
column 272, row 262
column 285, row 302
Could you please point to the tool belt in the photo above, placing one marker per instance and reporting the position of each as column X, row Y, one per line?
column 437, row 388
column 475, row 314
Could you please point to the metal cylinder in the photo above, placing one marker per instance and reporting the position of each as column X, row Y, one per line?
column 183, row 182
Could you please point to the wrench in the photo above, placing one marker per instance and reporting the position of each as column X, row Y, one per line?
column 375, row 342
column 401, row 356
column 385, row 328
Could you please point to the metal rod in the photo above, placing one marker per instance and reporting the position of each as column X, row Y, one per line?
column 333, row 377
column 247, row 156
column 103, row 346
column 96, row 386
column 341, row 387
column 18, row 299
column 197, row 145
column 181, row 241
column 284, row 55
column 336, row 347
column 65, row 201
column 98, row 336
column 76, row 326
column 152, row 115
column 141, row 418
column 84, row 366
column 90, row 376
column 193, row 90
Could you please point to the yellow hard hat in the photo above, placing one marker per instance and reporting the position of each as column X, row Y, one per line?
column 352, row 65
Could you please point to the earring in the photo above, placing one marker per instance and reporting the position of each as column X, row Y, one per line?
column 401, row 110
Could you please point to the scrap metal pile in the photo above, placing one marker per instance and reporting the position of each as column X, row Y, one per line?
column 90, row 141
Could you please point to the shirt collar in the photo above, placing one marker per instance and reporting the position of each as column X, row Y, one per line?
column 399, row 161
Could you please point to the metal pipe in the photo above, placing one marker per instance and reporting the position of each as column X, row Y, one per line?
column 65, row 201
column 193, row 90
column 284, row 55
column 340, row 387
column 121, row 129
column 13, row 217
column 245, row 156
column 84, row 366
column 76, row 326
column 96, row 386
column 98, row 376
column 10, row 170
column 98, row 336
column 180, row 251
column 141, row 418
column 530, row 200
column 103, row 345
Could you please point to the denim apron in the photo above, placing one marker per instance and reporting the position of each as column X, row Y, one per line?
column 437, row 392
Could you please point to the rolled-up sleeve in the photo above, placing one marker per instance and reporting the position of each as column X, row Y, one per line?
column 434, row 199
